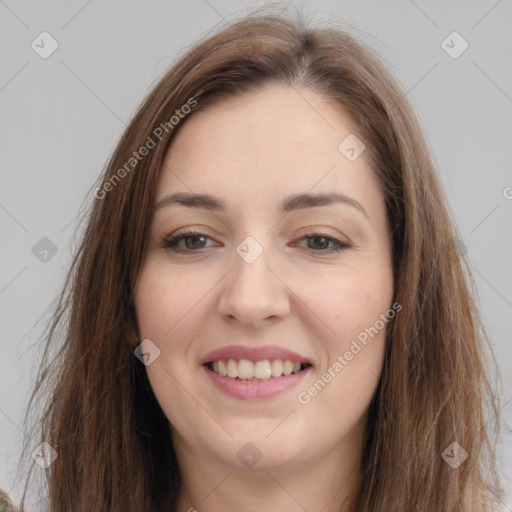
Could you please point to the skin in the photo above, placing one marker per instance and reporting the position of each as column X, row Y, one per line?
column 252, row 152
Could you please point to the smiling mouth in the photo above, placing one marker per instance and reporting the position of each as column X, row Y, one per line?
column 257, row 371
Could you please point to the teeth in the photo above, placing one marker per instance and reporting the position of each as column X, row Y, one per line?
column 245, row 369
column 287, row 367
column 277, row 368
column 232, row 369
column 261, row 370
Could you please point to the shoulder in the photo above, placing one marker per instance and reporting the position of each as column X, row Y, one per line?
column 6, row 504
column 502, row 507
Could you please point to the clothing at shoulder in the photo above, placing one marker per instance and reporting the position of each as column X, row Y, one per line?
column 6, row 504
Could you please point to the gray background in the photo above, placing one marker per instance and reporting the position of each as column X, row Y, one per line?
column 62, row 116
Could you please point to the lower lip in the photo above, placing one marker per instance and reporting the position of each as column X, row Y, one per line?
column 255, row 390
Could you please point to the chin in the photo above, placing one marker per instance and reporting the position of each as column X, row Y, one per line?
column 253, row 450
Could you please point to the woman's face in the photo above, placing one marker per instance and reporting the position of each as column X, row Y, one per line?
column 262, row 290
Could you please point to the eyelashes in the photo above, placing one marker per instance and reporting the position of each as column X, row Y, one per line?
column 171, row 243
column 198, row 242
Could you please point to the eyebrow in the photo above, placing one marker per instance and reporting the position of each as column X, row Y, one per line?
column 289, row 204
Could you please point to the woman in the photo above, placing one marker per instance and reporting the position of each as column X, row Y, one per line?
column 268, row 310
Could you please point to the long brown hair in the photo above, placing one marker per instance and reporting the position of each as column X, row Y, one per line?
column 100, row 415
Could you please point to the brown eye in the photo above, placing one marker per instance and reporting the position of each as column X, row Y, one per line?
column 318, row 242
column 324, row 244
column 192, row 241
column 196, row 241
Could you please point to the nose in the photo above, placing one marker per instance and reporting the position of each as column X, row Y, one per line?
column 254, row 294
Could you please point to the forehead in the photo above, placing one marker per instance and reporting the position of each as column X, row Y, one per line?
column 260, row 144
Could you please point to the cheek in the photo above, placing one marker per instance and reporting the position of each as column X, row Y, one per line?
column 352, row 306
column 171, row 308
column 359, row 310
column 346, row 302
column 167, row 300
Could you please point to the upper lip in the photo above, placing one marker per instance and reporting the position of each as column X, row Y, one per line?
column 253, row 354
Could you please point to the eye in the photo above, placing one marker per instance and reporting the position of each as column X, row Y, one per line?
column 193, row 241
column 320, row 243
